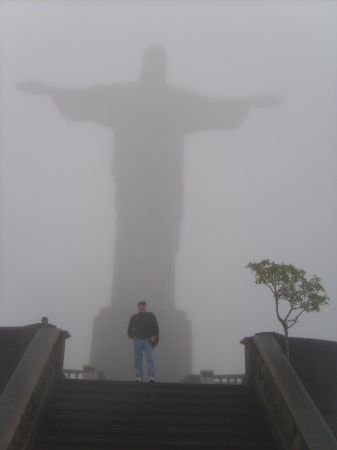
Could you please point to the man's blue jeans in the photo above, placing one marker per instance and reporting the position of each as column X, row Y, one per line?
column 140, row 345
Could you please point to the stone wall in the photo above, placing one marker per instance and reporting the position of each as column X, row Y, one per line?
column 13, row 344
column 315, row 363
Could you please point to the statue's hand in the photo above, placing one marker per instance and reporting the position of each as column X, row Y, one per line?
column 267, row 101
column 33, row 87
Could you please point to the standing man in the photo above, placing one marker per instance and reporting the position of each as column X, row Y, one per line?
column 143, row 329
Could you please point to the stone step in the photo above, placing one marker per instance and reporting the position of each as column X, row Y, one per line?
column 165, row 388
column 159, row 393
column 186, row 424
column 68, row 411
column 150, row 432
column 154, row 435
column 116, row 384
column 132, row 444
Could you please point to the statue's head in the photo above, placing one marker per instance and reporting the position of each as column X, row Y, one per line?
column 154, row 65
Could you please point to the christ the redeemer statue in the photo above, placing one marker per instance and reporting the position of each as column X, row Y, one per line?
column 150, row 119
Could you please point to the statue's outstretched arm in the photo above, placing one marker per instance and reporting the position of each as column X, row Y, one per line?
column 98, row 104
column 226, row 113
column 266, row 101
column 34, row 87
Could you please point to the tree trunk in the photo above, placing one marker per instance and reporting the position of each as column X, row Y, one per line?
column 286, row 336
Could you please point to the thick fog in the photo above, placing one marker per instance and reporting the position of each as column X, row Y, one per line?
column 262, row 184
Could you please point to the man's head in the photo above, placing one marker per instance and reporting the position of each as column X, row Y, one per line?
column 153, row 69
column 44, row 320
column 142, row 306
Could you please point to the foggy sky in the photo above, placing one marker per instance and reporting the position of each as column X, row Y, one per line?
column 266, row 190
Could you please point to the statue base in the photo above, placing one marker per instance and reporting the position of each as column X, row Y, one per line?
column 112, row 350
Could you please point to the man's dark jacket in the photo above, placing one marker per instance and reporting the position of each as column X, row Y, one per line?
column 144, row 325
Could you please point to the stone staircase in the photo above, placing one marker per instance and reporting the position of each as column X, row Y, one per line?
column 83, row 414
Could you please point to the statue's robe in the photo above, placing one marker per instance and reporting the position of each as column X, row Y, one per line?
column 149, row 122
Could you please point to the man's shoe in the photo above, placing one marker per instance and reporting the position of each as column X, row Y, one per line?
column 152, row 380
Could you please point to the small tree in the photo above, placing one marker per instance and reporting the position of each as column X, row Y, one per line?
column 290, row 284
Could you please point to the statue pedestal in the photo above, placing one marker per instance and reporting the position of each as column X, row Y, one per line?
column 112, row 350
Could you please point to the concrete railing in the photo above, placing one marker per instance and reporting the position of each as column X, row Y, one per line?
column 87, row 373
column 218, row 379
column 73, row 374
column 297, row 422
column 230, row 379
column 23, row 399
